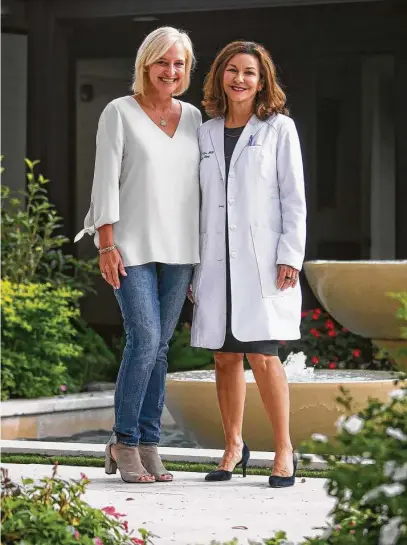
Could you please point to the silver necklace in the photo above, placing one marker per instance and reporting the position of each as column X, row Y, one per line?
column 163, row 121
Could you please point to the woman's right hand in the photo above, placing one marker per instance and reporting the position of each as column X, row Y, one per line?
column 111, row 265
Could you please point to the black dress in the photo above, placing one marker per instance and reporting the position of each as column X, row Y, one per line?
column 231, row 344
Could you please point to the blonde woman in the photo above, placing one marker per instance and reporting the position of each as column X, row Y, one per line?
column 144, row 213
column 253, row 216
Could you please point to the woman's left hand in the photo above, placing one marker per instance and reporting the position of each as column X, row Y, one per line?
column 287, row 277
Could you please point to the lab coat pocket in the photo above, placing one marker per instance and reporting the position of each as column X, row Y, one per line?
column 265, row 243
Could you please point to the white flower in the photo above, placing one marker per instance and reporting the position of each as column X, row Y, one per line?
column 340, row 421
column 397, row 434
column 389, row 468
column 401, row 473
column 319, row 437
column 391, row 490
column 347, row 494
column 397, row 394
column 354, row 424
column 390, row 533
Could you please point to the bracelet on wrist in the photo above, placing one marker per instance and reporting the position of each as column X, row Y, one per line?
column 107, row 249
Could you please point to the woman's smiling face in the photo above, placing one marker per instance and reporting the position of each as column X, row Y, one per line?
column 168, row 72
column 242, row 78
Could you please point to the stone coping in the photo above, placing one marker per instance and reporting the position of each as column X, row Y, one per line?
column 70, row 402
column 170, row 454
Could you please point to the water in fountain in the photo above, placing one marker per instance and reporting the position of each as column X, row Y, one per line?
column 297, row 371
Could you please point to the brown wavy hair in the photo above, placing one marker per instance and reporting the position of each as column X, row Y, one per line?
column 270, row 100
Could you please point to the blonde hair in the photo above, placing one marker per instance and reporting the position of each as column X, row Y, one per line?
column 154, row 46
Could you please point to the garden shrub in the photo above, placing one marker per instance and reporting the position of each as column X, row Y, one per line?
column 32, row 248
column 329, row 345
column 52, row 512
column 38, row 338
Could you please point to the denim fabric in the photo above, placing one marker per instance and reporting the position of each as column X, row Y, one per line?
column 151, row 297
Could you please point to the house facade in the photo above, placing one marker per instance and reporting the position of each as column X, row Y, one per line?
column 343, row 65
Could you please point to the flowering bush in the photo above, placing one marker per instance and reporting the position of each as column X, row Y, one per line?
column 329, row 345
column 52, row 512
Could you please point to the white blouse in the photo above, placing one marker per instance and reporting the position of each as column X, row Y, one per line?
column 147, row 185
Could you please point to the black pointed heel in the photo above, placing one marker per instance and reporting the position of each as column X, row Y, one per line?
column 275, row 481
column 223, row 475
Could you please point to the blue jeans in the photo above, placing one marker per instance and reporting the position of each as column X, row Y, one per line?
column 151, row 297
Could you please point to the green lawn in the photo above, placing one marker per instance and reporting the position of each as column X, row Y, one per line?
column 89, row 461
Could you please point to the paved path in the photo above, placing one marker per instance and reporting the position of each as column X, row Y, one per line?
column 190, row 511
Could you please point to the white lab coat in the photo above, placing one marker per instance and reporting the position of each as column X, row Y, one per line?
column 267, row 227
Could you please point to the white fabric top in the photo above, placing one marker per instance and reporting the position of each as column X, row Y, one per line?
column 147, row 185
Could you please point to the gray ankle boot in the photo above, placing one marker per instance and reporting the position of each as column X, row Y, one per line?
column 127, row 459
column 152, row 462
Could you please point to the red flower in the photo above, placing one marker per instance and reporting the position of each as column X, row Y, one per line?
column 317, row 311
column 332, row 365
column 315, row 360
column 315, row 316
column 332, row 333
column 304, row 314
column 329, row 324
column 356, row 353
column 315, row 332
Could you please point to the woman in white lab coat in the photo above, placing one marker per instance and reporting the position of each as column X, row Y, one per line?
column 252, row 242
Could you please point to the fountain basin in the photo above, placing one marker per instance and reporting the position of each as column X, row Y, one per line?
column 192, row 402
column 355, row 294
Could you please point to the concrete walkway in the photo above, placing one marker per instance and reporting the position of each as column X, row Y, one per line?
column 190, row 511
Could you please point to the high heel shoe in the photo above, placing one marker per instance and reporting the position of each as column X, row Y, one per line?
column 127, row 461
column 223, row 474
column 276, row 481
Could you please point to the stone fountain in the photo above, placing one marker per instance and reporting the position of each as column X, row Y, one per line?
column 191, row 400
column 354, row 293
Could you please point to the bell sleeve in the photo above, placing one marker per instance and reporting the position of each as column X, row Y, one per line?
column 104, row 206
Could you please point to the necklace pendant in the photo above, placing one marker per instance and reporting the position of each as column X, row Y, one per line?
column 163, row 123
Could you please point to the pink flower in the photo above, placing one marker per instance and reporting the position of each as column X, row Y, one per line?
column 137, row 541
column 304, row 314
column 126, row 526
column 98, row 541
column 76, row 534
column 110, row 510
column 84, row 477
column 63, row 387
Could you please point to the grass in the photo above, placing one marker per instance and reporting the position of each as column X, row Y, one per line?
column 89, row 461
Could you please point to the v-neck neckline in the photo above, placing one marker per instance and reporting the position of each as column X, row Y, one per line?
column 155, row 124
